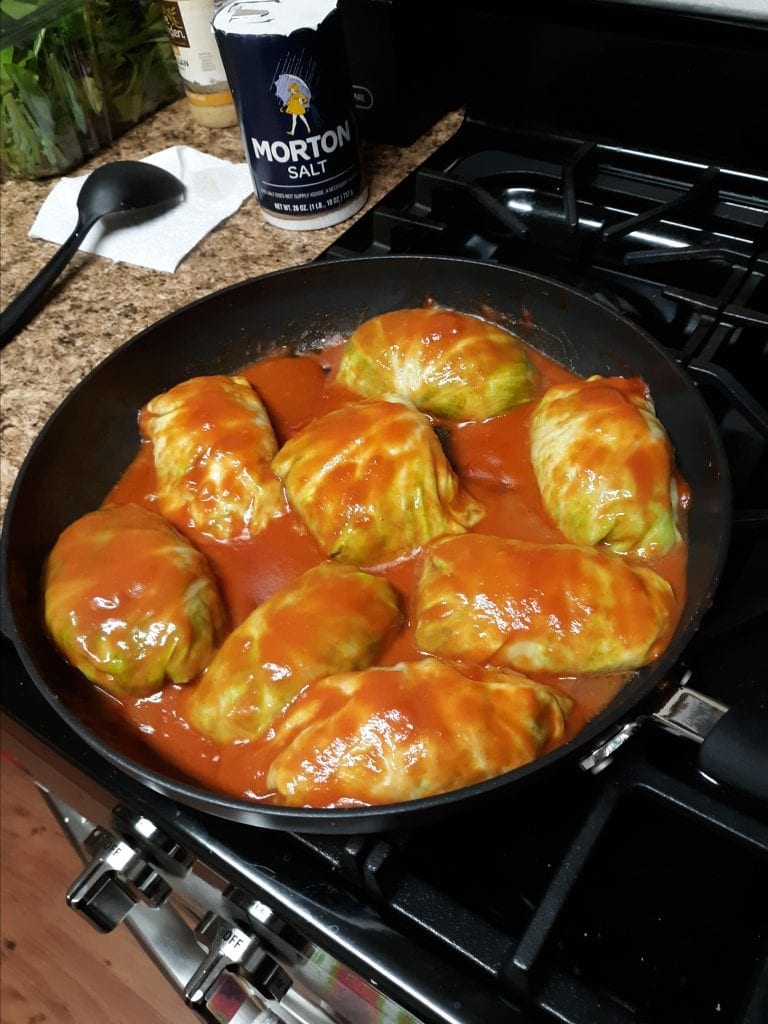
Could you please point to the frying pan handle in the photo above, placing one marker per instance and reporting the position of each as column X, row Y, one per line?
column 735, row 751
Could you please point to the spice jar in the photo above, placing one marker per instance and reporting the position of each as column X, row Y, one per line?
column 199, row 62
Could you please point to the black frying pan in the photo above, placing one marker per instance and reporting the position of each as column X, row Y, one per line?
column 93, row 436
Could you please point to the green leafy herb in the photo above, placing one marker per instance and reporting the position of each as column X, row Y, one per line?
column 137, row 64
column 75, row 74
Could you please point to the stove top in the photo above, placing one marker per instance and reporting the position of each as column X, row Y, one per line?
column 632, row 895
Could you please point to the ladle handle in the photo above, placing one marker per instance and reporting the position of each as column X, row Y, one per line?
column 17, row 313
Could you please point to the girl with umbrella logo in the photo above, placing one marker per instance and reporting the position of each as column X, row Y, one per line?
column 295, row 95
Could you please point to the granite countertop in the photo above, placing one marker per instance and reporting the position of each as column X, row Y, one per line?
column 97, row 305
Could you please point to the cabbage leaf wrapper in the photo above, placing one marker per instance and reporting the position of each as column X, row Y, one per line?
column 372, row 484
column 604, row 465
column 333, row 618
column 411, row 730
column 449, row 364
column 540, row 608
column 212, row 445
column 130, row 602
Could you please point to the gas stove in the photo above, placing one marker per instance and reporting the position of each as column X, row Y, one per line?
column 615, row 148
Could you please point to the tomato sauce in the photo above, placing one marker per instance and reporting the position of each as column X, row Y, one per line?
column 492, row 459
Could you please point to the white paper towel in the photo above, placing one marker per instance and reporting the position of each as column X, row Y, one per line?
column 215, row 189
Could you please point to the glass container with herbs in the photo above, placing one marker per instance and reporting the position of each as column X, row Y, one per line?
column 74, row 76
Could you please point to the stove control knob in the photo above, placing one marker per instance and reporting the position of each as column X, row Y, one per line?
column 277, row 933
column 156, row 845
column 114, row 881
column 236, row 952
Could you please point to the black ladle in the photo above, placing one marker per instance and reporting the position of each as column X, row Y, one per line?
column 116, row 188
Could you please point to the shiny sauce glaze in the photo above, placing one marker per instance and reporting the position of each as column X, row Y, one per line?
column 493, row 462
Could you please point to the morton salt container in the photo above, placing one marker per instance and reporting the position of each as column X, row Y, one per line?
column 286, row 64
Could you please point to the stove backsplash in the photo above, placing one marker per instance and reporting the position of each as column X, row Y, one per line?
column 636, row 75
column 644, row 73
column 402, row 57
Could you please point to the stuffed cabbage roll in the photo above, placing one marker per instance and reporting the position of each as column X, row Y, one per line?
column 129, row 602
column 212, row 446
column 412, row 730
column 372, row 483
column 333, row 618
column 449, row 364
column 604, row 464
column 540, row 608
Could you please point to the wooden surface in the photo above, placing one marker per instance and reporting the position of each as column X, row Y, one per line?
column 56, row 969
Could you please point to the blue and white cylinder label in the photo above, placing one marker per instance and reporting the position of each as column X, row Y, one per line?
column 295, row 106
